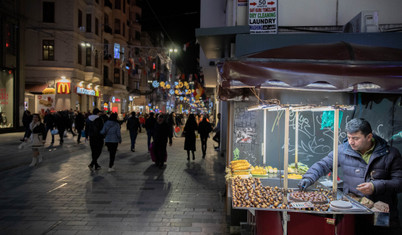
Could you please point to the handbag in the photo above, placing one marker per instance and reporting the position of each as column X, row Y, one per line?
column 54, row 132
column 36, row 140
column 83, row 133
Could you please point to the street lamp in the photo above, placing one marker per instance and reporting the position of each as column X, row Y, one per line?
column 172, row 77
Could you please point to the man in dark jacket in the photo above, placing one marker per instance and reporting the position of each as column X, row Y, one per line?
column 79, row 125
column 93, row 126
column 133, row 126
column 370, row 166
column 61, row 121
column 162, row 133
column 49, row 123
column 149, row 126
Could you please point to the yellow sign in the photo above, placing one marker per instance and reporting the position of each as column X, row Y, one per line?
column 63, row 88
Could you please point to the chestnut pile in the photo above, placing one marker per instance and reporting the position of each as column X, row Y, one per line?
column 251, row 193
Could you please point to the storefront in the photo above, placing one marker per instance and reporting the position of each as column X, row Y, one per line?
column 289, row 112
column 86, row 97
column 61, row 94
column 7, row 99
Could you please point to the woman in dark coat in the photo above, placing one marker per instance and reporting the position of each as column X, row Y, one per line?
column 79, row 125
column 204, row 128
column 161, row 135
column 189, row 134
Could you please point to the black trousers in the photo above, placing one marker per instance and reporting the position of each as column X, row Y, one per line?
column 160, row 152
column 96, row 149
column 112, row 148
column 204, row 144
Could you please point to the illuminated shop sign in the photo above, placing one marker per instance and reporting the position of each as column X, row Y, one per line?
column 116, row 51
column 63, row 87
column 81, row 90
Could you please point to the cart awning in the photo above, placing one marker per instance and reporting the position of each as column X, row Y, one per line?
column 328, row 67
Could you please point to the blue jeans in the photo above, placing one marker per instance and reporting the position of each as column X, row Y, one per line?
column 133, row 137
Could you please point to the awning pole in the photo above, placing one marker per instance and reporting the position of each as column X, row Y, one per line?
column 265, row 138
column 286, row 151
column 297, row 139
column 335, row 152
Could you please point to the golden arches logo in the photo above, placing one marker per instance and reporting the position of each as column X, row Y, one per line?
column 63, row 88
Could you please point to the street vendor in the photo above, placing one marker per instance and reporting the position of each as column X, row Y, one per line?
column 371, row 167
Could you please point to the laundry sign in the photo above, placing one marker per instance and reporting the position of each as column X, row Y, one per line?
column 263, row 16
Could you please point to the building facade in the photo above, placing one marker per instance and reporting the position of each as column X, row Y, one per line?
column 78, row 51
column 9, row 72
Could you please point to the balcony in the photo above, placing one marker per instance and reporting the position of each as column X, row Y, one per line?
column 108, row 3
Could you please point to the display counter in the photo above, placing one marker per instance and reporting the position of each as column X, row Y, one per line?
column 279, row 211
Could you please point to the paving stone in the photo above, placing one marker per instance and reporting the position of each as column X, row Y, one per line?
column 61, row 196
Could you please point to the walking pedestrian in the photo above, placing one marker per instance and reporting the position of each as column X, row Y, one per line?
column 142, row 121
column 26, row 120
column 161, row 135
column 112, row 133
column 217, row 130
column 93, row 126
column 70, row 117
column 36, row 134
column 189, row 135
column 133, row 126
column 204, row 128
column 172, row 121
column 149, row 126
column 49, row 124
column 61, row 124
column 79, row 125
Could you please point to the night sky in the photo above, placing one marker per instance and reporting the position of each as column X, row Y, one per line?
column 177, row 19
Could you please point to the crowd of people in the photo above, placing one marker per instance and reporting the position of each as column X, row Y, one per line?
column 99, row 128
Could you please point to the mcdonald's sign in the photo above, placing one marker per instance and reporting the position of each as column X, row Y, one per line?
column 63, row 88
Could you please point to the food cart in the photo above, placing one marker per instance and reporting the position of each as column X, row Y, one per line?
column 311, row 82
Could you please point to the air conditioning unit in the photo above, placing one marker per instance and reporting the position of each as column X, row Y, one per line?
column 364, row 22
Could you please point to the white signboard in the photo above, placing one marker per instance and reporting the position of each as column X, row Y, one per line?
column 84, row 91
column 263, row 16
column 45, row 101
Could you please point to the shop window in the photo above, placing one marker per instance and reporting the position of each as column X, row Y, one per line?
column 79, row 18
column 116, row 76
column 48, row 50
column 79, row 52
column 88, row 53
column 117, row 26
column 96, row 26
column 6, row 98
column 89, row 23
column 48, row 12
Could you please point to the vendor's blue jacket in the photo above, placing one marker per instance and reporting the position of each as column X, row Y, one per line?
column 384, row 170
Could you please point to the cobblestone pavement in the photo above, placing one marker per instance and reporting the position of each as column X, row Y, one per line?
column 62, row 196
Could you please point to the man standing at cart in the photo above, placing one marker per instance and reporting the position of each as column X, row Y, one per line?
column 371, row 169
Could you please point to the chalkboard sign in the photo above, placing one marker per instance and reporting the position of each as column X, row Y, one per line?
column 314, row 142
